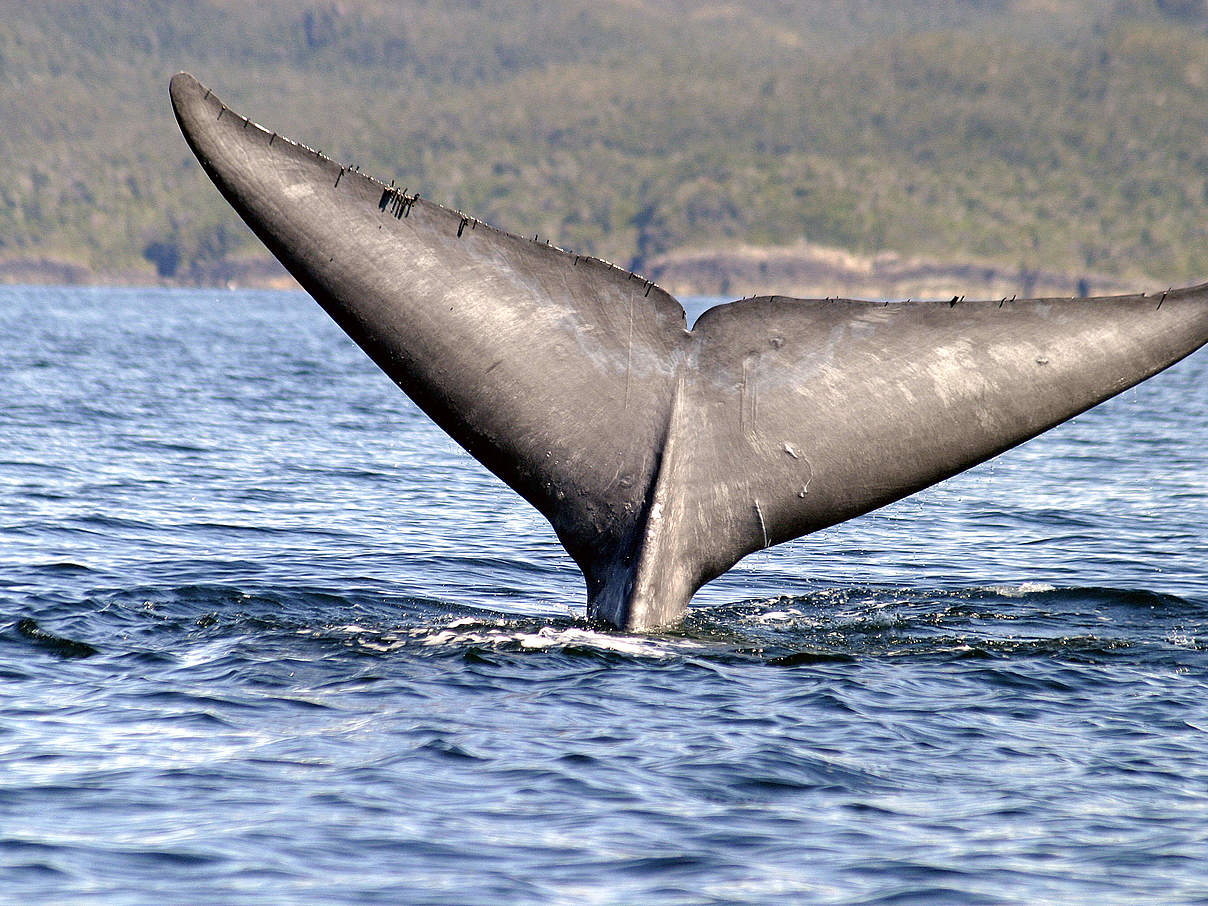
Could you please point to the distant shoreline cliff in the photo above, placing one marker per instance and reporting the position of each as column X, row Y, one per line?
column 807, row 270
column 804, row 270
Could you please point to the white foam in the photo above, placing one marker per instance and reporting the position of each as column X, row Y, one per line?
column 779, row 616
column 550, row 637
column 1022, row 590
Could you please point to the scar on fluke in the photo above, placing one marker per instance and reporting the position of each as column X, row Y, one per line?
column 772, row 417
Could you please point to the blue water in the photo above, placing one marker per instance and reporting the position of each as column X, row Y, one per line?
column 267, row 636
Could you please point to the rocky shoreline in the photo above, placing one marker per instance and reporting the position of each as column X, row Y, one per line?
column 44, row 270
column 804, row 270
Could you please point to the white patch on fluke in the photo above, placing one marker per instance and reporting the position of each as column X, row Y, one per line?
column 298, row 191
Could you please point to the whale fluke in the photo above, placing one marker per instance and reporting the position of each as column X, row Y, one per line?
column 662, row 455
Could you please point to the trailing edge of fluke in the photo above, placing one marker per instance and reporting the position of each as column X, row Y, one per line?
column 662, row 455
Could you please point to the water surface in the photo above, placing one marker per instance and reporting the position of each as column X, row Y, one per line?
column 267, row 636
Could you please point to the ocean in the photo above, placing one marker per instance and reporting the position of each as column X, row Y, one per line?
column 268, row 636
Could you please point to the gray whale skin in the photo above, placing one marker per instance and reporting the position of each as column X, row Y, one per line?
column 662, row 455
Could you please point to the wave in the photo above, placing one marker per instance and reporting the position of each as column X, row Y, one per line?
column 826, row 626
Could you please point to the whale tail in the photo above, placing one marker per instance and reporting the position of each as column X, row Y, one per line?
column 661, row 455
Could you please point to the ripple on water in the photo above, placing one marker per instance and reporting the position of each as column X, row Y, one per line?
column 266, row 635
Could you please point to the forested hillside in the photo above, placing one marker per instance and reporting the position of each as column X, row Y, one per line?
column 1049, row 134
